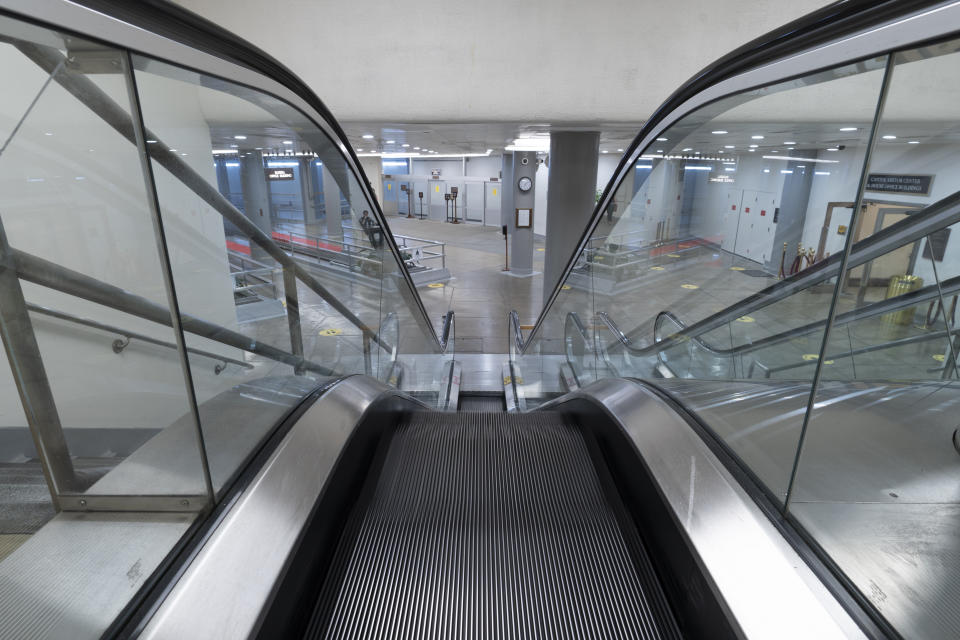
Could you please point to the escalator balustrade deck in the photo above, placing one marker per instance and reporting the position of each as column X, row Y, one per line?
column 489, row 525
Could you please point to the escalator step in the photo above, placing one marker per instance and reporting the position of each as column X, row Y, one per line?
column 489, row 526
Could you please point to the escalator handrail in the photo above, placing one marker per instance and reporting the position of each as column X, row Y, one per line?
column 939, row 215
column 183, row 26
column 515, row 340
column 832, row 22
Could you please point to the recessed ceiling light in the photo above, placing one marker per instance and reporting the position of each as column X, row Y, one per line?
column 833, row 149
column 718, row 132
column 171, row 150
column 619, row 150
column 789, row 142
column 416, row 148
column 288, row 142
column 662, row 139
column 239, row 137
column 689, row 149
column 48, row 133
column 659, row 150
column 752, row 150
column 359, row 150
column 913, row 142
column 368, row 136
column 404, row 145
column 151, row 141
column 183, row 154
column 729, row 146
column 889, row 137
column 753, row 146
column 756, row 137
column 848, row 128
column 790, row 148
column 391, row 141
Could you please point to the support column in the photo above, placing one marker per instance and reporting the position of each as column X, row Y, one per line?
column 373, row 167
column 571, row 190
column 331, row 203
column 256, row 198
column 521, row 244
column 506, row 192
column 308, row 192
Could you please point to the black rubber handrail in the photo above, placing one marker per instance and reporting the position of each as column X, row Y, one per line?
column 823, row 25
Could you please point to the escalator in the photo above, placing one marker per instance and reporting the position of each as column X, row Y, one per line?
column 493, row 524
column 319, row 471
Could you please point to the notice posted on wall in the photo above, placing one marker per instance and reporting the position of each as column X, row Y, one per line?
column 897, row 183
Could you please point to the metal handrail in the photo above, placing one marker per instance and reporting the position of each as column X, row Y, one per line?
column 119, row 345
column 53, row 276
column 446, row 328
column 518, row 344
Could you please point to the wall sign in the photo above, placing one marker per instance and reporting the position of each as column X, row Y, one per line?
column 435, row 174
column 279, row 174
column 916, row 185
column 524, row 218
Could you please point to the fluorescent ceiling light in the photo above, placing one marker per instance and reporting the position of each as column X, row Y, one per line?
column 756, row 137
column 718, row 132
column 541, row 143
column 913, row 142
column 288, row 142
column 729, row 146
column 604, row 151
column 662, row 139
column 729, row 168
column 789, row 142
column 368, row 136
column 221, row 152
column 151, row 141
column 786, row 171
column 848, row 128
column 644, row 166
column 416, row 148
column 697, row 167
column 833, row 148
column 821, row 173
column 754, row 146
column 800, row 159
column 282, row 164
column 689, row 149
column 232, row 164
column 405, row 145
column 359, row 150
column 239, row 137
column 619, row 150
column 391, row 141
column 417, row 155
column 766, row 170
column 889, row 137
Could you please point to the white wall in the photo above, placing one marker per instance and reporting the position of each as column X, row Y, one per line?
column 500, row 60
column 72, row 192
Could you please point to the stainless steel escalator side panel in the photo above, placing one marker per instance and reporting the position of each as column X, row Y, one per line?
column 223, row 591
column 766, row 586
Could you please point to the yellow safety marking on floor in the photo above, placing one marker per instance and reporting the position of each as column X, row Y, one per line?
column 745, row 319
column 565, row 287
column 813, row 356
column 939, row 357
column 507, row 380
column 435, row 285
column 330, row 332
column 737, row 269
column 690, row 286
column 673, row 255
column 656, row 268
column 540, row 249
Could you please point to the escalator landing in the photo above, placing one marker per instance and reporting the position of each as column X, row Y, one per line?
column 489, row 525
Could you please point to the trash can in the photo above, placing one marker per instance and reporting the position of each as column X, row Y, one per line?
column 898, row 286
